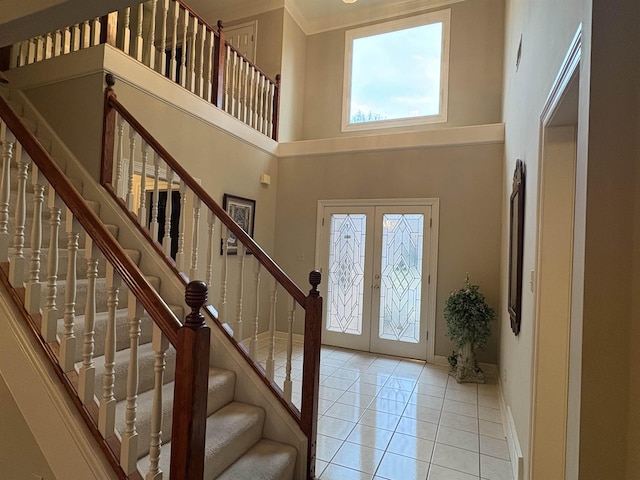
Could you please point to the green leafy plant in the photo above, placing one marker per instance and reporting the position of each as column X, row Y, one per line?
column 468, row 319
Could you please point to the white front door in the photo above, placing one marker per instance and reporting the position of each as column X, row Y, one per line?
column 377, row 262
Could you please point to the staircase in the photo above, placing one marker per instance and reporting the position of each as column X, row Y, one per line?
column 97, row 312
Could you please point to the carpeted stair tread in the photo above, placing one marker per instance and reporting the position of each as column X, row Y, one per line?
column 220, row 392
column 231, row 431
column 146, row 359
column 266, row 460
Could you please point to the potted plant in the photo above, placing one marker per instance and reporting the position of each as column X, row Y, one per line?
column 468, row 317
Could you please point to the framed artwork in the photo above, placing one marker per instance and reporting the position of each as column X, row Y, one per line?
column 242, row 211
column 516, row 241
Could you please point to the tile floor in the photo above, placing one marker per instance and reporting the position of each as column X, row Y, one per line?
column 396, row 419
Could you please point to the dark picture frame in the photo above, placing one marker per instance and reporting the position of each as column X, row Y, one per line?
column 516, row 244
column 243, row 212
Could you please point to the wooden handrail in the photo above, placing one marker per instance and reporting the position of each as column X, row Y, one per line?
column 89, row 220
column 282, row 278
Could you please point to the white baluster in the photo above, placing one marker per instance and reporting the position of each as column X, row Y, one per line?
column 287, row 381
column 6, row 152
column 86, row 376
column 120, row 158
column 68, row 340
column 234, row 84
column 183, row 59
column 76, row 37
column 153, row 226
column 39, row 48
column 223, row 273
column 129, row 445
column 191, row 76
column 151, row 63
column 142, row 210
column 202, row 38
column 67, row 42
column 95, row 32
column 126, row 31
column 48, row 45
column 139, row 43
column 211, row 222
column 180, row 263
column 237, row 332
column 260, row 104
column 208, row 69
column 272, row 330
column 16, row 259
column 107, row 409
column 23, row 54
column 193, row 272
column 86, row 35
column 166, row 241
column 57, row 43
column 50, row 317
column 133, row 135
column 31, row 51
column 268, row 124
column 251, row 100
column 174, row 39
column 253, row 344
column 227, row 78
column 161, row 59
column 32, row 291
column 160, row 346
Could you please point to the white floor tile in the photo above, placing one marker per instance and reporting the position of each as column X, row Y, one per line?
column 494, row 447
column 425, row 414
column 327, row 447
column 358, row 457
column 491, row 429
column 495, row 469
column 386, row 421
column 436, row 472
column 337, row 472
column 426, row 401
column 462, row 396
column 356, row 399
column 342, row 411
column 417, row 428
column 370, row 436
column 460, row 422
column 456, row 459
column 461, row 408
column 335, row 427
column 320, row 466
column 458, row 438
column 490, row 414
column 409, row 446
column 428, row 389
column 395, row 467
column 388, row 406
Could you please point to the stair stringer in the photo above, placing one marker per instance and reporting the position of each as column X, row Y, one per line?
column 62, row 435
column 279, row 425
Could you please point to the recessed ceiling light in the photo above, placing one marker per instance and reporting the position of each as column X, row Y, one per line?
column 349, row 1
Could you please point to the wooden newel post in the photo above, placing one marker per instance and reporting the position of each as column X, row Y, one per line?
column 108, row 133
column 190, row 394
column 311, row 369
column 219, row 50
column 276, row 108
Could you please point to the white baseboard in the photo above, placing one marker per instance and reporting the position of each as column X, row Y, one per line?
column 513, row 443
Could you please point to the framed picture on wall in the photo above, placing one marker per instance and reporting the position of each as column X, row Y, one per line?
column 516, row 243
column 242, row 211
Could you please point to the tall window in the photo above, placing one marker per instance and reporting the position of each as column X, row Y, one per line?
column 396, row 73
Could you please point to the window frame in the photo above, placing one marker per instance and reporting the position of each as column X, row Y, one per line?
column 443, row 16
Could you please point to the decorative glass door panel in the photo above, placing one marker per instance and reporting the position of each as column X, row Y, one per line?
column 374, row 267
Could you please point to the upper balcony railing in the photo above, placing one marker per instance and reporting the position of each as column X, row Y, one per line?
column 170, row 38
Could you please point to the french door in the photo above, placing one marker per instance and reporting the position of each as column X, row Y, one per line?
column 378, row 265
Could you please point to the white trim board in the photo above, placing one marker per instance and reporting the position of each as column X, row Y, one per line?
column 444, row 137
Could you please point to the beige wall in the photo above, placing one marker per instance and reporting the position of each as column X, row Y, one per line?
column 467, row 180
column 475, row 74
column 293, row 80
column 546, row 29
column 20, row 455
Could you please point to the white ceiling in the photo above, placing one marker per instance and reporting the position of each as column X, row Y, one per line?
column 24, row 18
column 315, row 16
